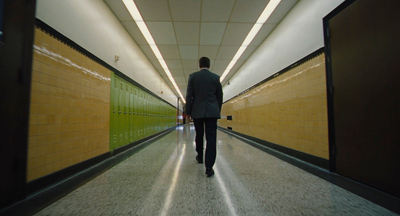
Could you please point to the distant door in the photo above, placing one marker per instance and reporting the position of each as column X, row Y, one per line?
column 17, row 21
column 114, row 112
column 126, row 112
column 121, row 107
column 364, row 58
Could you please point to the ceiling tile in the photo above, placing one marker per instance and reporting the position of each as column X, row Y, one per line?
column 174, row 64
column 183, row 86
column 183, row 89
column 187, row 33
column 236, row 33
column 211, row 33
column 182, row 39
column 208, row 51
column 227, row 52
column 162, row 32
column 188, row 10
column 244, row 11
column 177, row 72
column 181, row 80
column 220, row 64
column 169, row 51
column 191, row 65
column 216, row 11
column 189, row 52
column 188, row 72
column 153, row 10
column 219, row 72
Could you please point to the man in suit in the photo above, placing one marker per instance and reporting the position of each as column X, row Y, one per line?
column 203, row 105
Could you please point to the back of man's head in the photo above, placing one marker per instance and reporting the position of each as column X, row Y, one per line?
column 204, row 62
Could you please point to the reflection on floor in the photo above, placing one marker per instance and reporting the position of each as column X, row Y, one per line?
column 165, row 179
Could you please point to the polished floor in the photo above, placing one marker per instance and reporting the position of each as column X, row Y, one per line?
column 165, row 179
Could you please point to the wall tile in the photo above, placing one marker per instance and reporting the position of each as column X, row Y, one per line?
column 289, row 110
column 66, row 96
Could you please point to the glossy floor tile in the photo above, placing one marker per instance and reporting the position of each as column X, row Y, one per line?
column 165, row 179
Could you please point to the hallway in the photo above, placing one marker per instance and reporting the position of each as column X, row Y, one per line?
column 165, row 179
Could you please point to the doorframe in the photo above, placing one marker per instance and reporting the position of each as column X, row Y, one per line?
column 329, row 85
column 21, row 24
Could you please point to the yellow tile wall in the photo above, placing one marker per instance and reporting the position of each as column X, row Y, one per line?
column 289, row 110
column 69, row 109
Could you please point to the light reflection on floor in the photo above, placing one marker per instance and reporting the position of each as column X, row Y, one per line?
column 165, row 179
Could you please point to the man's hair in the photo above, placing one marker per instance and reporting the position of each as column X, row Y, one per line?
column 204, row 62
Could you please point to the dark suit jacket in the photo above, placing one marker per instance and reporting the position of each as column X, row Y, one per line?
column 204, row 95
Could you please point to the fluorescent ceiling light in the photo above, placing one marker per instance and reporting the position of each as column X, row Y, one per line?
column 134, row 12
column 252, row 34
column 269, row 9
column 239, row 53
column 271, row 6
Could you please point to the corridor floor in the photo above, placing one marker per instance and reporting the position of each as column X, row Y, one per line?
column 165, row 179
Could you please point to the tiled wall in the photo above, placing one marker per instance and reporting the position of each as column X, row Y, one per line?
column 289, row 110
column 70, row 104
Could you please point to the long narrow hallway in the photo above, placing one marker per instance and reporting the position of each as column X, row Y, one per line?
column 165, row 179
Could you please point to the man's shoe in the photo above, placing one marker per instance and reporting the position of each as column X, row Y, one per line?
column 199, row 160
column 209, row 172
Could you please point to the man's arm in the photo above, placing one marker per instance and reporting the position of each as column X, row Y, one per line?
column 189, row 97
column 220, row 96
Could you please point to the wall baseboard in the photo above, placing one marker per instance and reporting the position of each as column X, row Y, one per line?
column 319, row 167
column 277, row 150
column 48, row 189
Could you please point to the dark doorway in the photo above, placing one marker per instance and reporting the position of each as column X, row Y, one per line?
column 17, row 19
column 363, row 48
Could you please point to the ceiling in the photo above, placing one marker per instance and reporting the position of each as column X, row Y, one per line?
column 185, row 30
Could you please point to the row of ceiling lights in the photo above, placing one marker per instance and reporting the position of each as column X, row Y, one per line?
column 134, row 12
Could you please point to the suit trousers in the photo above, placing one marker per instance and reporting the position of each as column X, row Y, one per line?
column 210, row 125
